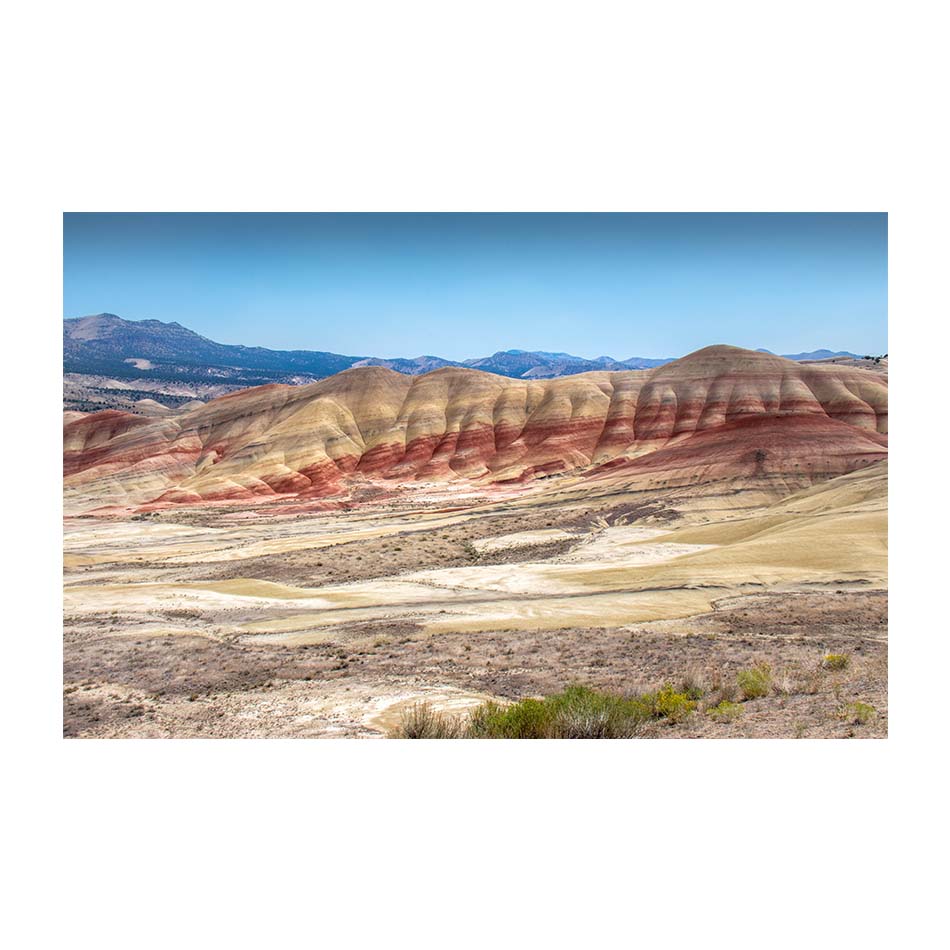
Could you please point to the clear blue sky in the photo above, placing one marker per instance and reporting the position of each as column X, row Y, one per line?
column 464, row 285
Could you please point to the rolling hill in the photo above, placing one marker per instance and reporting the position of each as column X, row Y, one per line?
column 720, row 414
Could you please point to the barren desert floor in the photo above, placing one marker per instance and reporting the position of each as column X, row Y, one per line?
column 235, row 621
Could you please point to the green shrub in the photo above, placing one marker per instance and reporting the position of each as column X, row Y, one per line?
column 755, row 682
column 857, row 713
column 725, row 711
column 529, row 719
column 582, row 713
column 486, row 721
column 668, row 704
column 836, row 661
column 576, row 713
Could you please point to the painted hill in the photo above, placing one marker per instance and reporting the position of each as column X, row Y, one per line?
column 720, row 413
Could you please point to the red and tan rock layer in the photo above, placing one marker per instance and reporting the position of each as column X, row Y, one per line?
column 719, row 413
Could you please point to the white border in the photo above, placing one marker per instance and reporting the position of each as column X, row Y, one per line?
column 515, row 106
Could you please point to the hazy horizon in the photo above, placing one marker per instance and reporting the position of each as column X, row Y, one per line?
column 460, row 286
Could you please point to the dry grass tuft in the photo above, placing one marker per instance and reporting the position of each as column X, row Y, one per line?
column 858, row 714
column 755, row 682
column 694, row 683
column 722, row 688
column 725, row 712
column 420, row 721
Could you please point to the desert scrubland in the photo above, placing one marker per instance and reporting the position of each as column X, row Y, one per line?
column 318, row 560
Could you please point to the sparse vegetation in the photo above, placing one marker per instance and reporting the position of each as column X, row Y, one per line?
column 725, row 711
column 529, row 719
column 836, row 661
column 693, row 684
column 722, row 688
column 755, row 682
column 420, row 721
column 576, row 713
column 857, row 714
column 784, row 682
column 668, row 704
column 810, row 683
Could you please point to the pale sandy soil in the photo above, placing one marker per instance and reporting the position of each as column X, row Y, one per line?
column 219, row 622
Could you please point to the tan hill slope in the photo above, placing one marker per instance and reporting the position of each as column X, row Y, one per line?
column 721, row 412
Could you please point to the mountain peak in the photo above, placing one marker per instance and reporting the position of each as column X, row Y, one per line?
column 152, row 355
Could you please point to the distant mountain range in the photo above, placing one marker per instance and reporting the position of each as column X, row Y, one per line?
column 105, row 344
column 517, row 364
column 815, row 355
column 146, row 355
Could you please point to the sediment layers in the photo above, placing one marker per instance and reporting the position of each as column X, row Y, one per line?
column 720, row 413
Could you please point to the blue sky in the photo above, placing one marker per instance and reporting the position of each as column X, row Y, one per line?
column 464, row 285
